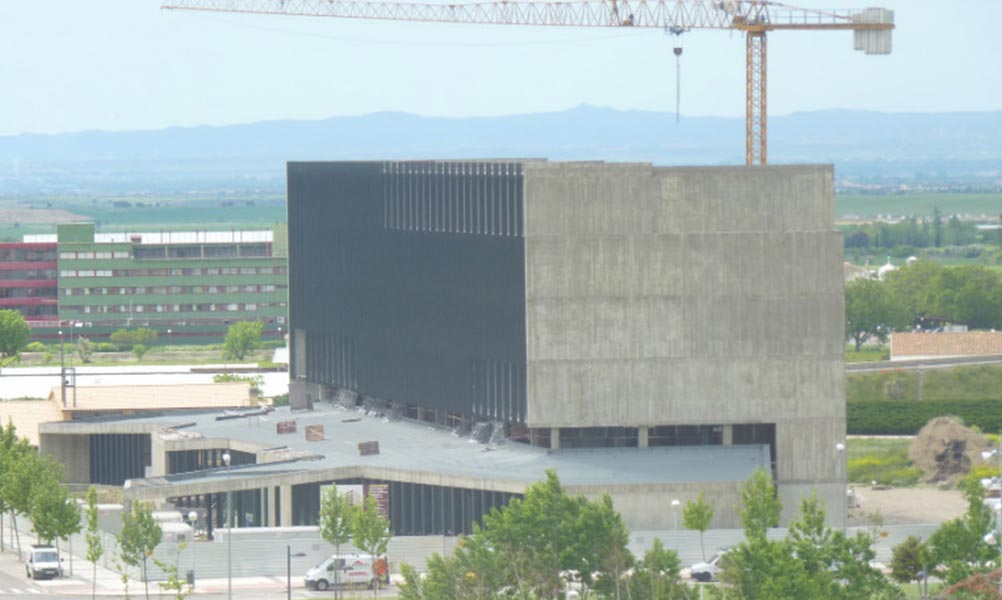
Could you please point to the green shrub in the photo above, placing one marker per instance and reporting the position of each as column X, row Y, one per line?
column 907, row 418
column 982, row 382
column 984, row 471
column 35, row 347
column 104, row 347
column 881, row 386
column 280, row 400
column 890, row 466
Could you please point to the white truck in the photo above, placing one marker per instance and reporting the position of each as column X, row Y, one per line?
column 43, row 562
column 348, row 571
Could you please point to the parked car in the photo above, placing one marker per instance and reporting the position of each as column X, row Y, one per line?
column 43, row 562
column 707, row 571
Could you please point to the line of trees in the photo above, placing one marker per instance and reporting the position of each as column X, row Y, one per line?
column 962, row 552
column 912, row 233
column 342, row 522
column 922, row 294
column 539, row 546
column 30, row 487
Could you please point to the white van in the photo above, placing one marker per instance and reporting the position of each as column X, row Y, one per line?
column 352, row 570
column 43, row 562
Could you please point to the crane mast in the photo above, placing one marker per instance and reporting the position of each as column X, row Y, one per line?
column 872, row 27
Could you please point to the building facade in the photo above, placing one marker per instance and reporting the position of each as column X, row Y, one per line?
column 579, row 305
column 28, row 281
column 648, row 333
column 189, row 286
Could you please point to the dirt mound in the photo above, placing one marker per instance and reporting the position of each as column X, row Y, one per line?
column 945, row 450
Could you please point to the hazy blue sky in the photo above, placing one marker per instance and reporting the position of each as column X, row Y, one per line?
column 71, row 65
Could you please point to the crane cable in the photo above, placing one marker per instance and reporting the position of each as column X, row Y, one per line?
column 677, row 32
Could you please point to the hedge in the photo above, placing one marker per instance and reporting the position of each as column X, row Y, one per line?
column 907, row 418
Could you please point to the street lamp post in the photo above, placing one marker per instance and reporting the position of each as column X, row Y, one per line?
column 62, row 369
column 193, row 521
column 843, row 463
column 675, row 503
column 288, row 570
column 229, row 526
column 168, row 337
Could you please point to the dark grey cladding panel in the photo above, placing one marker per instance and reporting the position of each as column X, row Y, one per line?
column 409, row 279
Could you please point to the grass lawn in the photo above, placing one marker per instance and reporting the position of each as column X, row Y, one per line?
column 156, row 355
column 871, row 205
column 152, row 213
column 884, row 460
column 867, row 354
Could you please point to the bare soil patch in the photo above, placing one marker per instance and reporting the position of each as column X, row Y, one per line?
column 902, row 506
column 38, row 216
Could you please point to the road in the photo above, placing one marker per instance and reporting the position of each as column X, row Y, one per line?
column 928, row 363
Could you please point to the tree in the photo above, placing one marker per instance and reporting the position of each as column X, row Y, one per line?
column 869, row 311
column 760, row 507
column 8, row 441
column 959, row 545
column 811, row 562
column 599, row 548
column 174, row 582
column 17, row 477
column 336, row 517
column 54, row 514
column 909, row 560
column 656, row 576
column 526, row 548
column 371, row 532
column 95, row 547
column 242, row 338
column 139, row 536
column 912, row 290
column 84, row 349
column 937, row 227
column 140, row 351
column 696, row 515
column 970, row 294
column 130, row 337
column 14, row 335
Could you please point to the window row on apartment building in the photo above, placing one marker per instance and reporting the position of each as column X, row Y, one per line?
column 12, row 254
column 172, row 289
column 26, row 274
column 168, row 252
column 270, row 270
column 173, row 308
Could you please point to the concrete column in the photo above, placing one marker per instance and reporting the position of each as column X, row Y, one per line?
column 728, row 435
column 269, row 493
column 554, row 438
column 641, row 437
column 158, row 457
column 286, row 500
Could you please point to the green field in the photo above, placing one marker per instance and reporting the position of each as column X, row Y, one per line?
column 871, row 205
column 22, row 216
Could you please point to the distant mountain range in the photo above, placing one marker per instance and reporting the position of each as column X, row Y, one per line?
column 867, row 147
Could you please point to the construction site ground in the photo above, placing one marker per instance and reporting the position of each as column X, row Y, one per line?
column 904, row 506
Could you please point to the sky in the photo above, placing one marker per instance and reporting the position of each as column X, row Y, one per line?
column 113, row 65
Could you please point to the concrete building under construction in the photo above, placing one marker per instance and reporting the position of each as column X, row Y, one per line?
column 581, row 305
column 651, row 333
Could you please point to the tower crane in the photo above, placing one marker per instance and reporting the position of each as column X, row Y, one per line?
column 871, row 27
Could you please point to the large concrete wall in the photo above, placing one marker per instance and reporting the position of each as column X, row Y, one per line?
column 73, row 451
column 688, row 296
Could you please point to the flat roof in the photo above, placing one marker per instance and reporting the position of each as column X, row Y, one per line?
column 420, row 448
column 119, row 398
